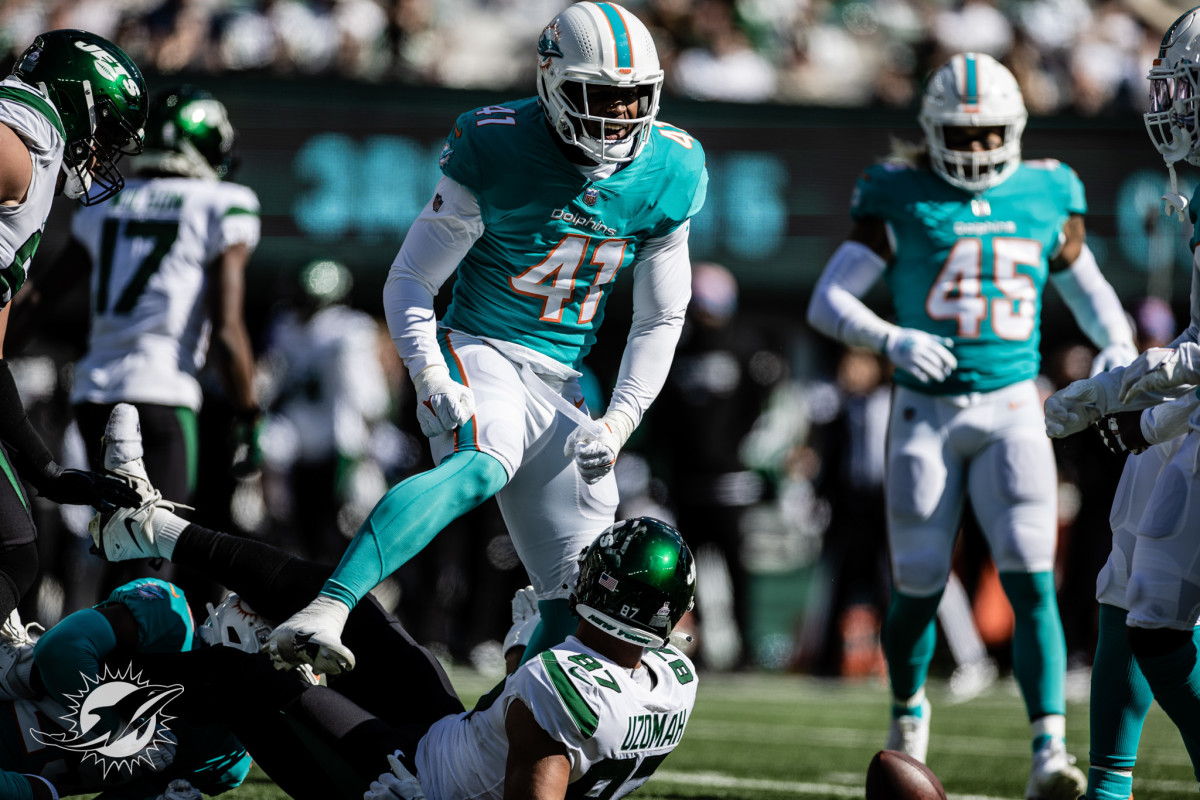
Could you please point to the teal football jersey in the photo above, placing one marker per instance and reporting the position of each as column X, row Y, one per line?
column 972, row 267
column 555, row 242
column 210, row 757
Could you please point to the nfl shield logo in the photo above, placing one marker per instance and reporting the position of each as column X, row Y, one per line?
column 608, row 582
column 590, row 196
column 437, row 203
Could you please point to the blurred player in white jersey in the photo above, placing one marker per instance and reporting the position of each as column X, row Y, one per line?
column 1150, row 586
column 73, row 105
column 966, row 234
column 592, row 716
column 544, row 203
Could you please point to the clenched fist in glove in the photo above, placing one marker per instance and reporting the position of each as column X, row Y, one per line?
column 443, row 404
column 596, row 452
column 1072, row 409
column 925, row 356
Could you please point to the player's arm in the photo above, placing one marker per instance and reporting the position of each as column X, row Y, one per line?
column 662, row 287
column 836, row 308
column 1091, row 299
column 433, row 248
column 78, row 646
column 16, row 167
column 230, row 347
column 537, row 767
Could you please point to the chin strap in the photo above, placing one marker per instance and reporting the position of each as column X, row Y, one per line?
column 1174, row 203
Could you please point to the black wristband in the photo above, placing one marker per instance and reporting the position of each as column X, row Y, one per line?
column 30, row 455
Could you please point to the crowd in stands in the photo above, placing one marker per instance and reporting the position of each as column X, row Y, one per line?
column 1086, row 57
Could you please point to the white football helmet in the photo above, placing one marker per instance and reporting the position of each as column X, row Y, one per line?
column 602, row 44
column 234, row 624
column 973, row 90
column 1175, row 92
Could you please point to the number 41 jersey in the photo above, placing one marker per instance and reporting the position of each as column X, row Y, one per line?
column 617, row 728
column 972, row 267
column 150, row 248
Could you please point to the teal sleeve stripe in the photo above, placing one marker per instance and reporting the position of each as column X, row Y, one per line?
column 72, row 649
column 15, row 786
column 585, row 717
column 37, row 104
column 233, row 210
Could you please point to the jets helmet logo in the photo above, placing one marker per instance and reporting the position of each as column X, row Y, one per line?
column 116, row 720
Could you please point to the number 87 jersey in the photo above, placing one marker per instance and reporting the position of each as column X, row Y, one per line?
column 554, row 241
column 972, row 267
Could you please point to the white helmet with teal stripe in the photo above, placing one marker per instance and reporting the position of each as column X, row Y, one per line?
column 592, row 45
column 973, row 90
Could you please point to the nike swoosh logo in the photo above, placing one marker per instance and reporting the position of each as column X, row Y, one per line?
column 132, row 533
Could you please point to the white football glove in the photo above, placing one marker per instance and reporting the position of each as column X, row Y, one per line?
column 1159, row 370
column 1070, row 410
column 525, row 617
column 1117, row 354
column 925, row 356
column 399, row 784
column 443, row 404
column 180, row 789
column 595, row 454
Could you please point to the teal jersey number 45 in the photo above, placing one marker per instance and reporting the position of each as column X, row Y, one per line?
column 554, row 241
column 972, row 267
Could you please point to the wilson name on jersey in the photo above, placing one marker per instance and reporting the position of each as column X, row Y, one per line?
column 151, row 247
column 617, row 727
column 972, row 267
column 554, row 241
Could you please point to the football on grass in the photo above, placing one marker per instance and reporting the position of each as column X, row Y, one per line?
column 893, row 775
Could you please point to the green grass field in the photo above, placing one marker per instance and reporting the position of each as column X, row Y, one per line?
column 770, row 737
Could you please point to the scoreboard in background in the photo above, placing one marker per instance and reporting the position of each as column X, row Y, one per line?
column 342, row 170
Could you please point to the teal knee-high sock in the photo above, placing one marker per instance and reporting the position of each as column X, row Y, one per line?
column 407, row 519
column 1175, row 679
column 556, row 624
column 1039, row 649
column 1120, row 699
column 909, row 637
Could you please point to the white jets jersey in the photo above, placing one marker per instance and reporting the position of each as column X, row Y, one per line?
column 31, row 116
column 617, row 728
column 150, row 248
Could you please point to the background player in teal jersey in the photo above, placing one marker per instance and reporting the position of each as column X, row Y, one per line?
column 1150, row 588
column 966, row 234
column 90, row 651
column 544, row 203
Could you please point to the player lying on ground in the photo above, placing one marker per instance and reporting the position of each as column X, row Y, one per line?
column 602, row 709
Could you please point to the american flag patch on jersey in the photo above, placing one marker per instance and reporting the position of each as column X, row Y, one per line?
column 608, row 581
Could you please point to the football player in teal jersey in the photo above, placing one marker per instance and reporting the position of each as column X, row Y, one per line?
column 966, row 235
column 84, row 663
column 72, row 106
column 1149, row 591
column 544, row 203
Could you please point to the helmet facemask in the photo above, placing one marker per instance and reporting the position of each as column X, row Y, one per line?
column 585, row 54
column 1173, row 121
column 973, row 90
column 90, row 162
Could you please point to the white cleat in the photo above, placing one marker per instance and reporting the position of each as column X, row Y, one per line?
column 16, row 657
column 1054, row 775
column 128, row 533
column 308, row 638
column 909, row 733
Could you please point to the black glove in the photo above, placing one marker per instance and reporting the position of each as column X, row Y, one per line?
column 77, row 487
column 1122, row 432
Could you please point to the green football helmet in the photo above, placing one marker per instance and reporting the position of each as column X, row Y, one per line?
column 636, row 581
column 324, row 282
column 189, row 134
column 100, row 96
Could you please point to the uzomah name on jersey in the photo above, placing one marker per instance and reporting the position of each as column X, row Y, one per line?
column 591, row 223
column 652, row 731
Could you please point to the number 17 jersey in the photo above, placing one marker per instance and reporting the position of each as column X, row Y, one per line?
column 151, row 247
column 972, row 267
